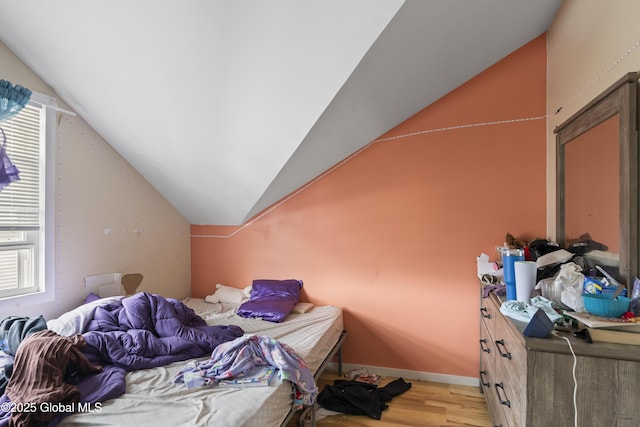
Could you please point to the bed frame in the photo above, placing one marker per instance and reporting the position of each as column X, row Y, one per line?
column 308, row 414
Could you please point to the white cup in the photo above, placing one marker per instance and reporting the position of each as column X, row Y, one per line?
column 525, row 272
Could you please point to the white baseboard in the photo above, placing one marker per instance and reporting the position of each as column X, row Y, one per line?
column 409, row 375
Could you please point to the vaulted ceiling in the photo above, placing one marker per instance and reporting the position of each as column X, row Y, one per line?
column 227, row 106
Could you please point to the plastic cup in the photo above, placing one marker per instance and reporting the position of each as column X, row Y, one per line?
column 525, row 272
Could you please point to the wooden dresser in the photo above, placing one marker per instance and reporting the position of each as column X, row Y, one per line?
column 529, row 381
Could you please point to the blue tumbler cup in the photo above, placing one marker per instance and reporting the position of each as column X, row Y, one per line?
column 509, row 257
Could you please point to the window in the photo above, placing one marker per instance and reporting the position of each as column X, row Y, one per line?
column 22, row 205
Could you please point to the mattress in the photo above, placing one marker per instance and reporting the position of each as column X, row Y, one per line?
column 151, row 397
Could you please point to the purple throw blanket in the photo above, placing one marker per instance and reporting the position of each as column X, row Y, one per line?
column 146, row 330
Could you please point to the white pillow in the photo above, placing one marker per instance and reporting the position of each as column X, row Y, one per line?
column 75, row 321
column 229, row 294
column 247, row 291
column 302, row 307
column 212, row 299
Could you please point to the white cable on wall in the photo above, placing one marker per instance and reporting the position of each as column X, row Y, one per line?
column 601, row 76
column 342, row 162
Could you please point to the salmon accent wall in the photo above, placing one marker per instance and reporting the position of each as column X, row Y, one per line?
column 392, row 235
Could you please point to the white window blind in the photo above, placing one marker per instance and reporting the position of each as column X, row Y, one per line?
column 21, row 204
column 8, row 271
column 20, row 200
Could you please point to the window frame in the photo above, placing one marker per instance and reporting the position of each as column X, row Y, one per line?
column 44, row 269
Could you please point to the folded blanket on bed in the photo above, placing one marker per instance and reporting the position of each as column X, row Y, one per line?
column 147, row 330
column 242, row 354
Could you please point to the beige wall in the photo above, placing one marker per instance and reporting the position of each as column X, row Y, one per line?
column 590, row 45
column 108, row 217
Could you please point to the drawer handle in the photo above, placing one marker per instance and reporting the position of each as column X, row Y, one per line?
column 505, row 401
column 485, row 313
column 484, row 382
column 505, row 353
column 483, row 341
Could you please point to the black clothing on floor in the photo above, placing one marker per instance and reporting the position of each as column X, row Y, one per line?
column 359, row 398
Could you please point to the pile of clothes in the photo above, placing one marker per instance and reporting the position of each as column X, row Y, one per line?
column 360, row 398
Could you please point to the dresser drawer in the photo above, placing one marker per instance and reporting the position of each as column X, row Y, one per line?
column 487, row 382
column 509, row 396
column 510, row 373
column 489, row 319
column 489, row 313
column 487, row 360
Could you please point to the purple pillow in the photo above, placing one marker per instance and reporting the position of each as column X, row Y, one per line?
column 91, row 297
column 271, row 300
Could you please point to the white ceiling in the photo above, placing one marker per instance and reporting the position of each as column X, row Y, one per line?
column 227, row 106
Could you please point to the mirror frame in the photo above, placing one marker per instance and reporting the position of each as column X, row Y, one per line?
column 620, row 98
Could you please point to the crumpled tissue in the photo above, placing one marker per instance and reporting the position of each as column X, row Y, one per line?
column 572, row 279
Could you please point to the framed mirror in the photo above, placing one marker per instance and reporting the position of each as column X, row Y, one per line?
column 597, row 179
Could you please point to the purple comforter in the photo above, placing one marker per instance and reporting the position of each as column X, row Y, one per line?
column 147, row 330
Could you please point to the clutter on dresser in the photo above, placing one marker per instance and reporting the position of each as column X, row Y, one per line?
column 542, row 284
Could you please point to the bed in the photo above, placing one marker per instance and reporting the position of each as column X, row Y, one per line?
column 152, row 395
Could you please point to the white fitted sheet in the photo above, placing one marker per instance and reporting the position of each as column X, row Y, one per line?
column 152, row 399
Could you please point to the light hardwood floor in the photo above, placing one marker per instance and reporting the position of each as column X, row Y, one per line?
column 424, row 404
